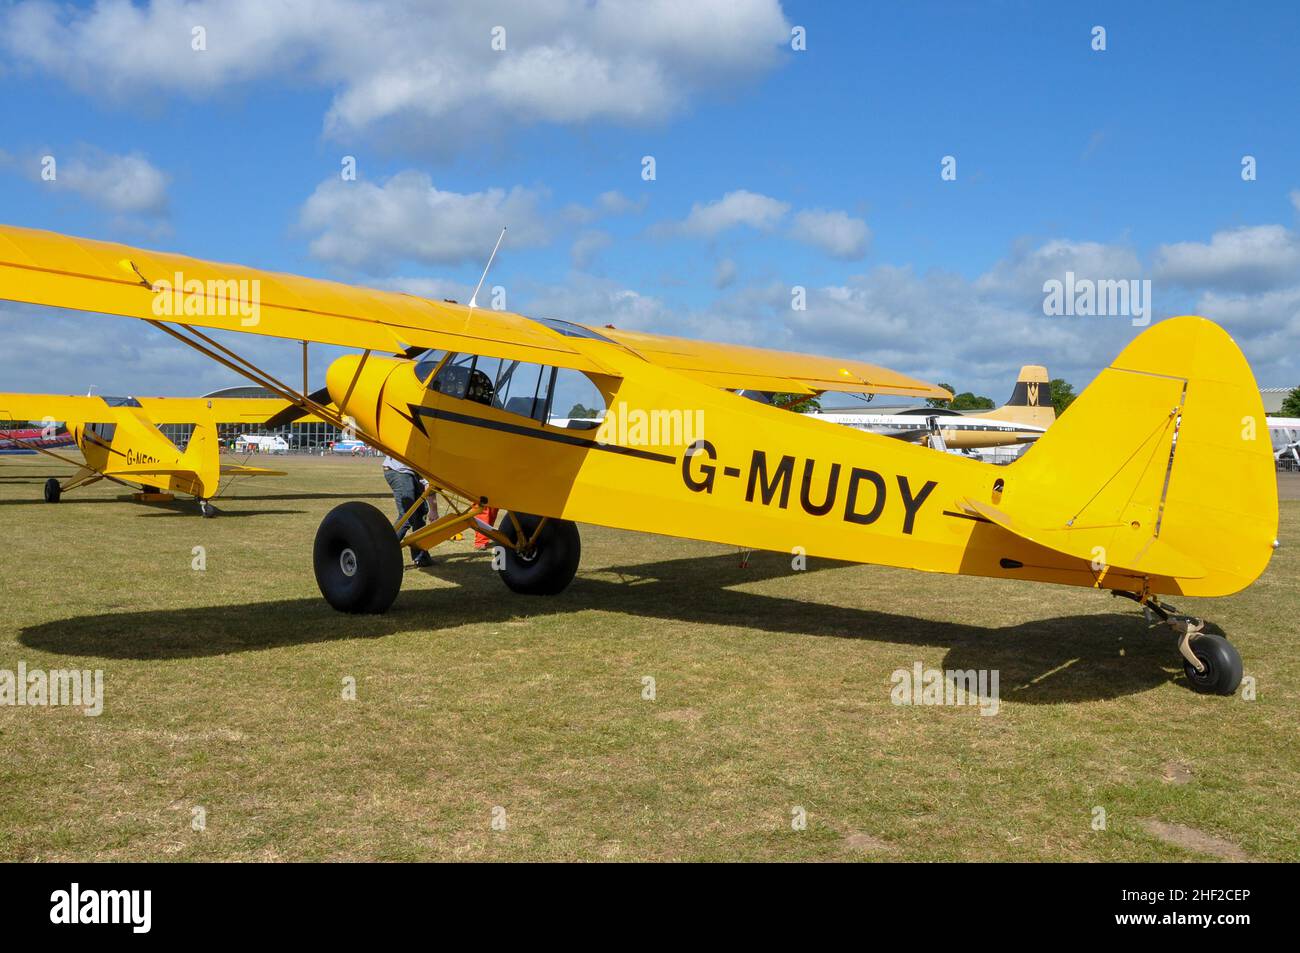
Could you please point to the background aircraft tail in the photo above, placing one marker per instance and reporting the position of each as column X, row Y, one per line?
column 1030, row 401
column 1162, row 467
column 203, row 456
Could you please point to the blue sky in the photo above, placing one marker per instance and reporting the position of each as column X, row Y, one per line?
column 775, row 168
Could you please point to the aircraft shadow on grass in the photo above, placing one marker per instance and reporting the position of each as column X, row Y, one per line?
column 1065, row 659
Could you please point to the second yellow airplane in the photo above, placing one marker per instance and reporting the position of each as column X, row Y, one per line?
column 120, row 441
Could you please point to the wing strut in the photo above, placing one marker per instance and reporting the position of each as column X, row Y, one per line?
column 246, row 368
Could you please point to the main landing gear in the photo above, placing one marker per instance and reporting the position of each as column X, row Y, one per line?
column 52, row 490
column 207, row 509
column 1211, row 662
column 358, row 558
column 544, row 556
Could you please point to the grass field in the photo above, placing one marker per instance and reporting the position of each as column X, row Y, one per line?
column 224, row 694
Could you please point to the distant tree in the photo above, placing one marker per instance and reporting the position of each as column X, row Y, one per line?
column 1062, row 394
column 578, row 412
column 963, row 401
column 1291, row 405
column 801, row 403
column 968, row 401
column 940, row 401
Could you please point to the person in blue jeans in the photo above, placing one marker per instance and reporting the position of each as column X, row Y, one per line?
column 407, row 487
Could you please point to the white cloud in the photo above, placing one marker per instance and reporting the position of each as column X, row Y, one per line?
column 125, row 184
column 122, row 184
column 46, row 350
column 834, row 232
column 616, row 203
column 1266, row 325
column 734, row 209
column 724, row 275
column 1021, row 274
column 1252, row 258
column 607, row 204
column 588, row 245
column 1295, row 200
column 427, row 67
column 375, row 227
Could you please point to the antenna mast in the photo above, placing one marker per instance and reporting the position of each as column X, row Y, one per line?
column 473, row 301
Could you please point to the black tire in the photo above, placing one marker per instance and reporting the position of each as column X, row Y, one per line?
column 553, row 562
column 1222, row 664
column 207, row 510
column 52, row 490
column 357, row 558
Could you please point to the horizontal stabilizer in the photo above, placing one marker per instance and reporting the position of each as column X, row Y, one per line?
column 1144, row 553
column 136, row 472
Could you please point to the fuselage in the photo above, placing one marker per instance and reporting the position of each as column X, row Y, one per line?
column 753, row 476
column 127, row 446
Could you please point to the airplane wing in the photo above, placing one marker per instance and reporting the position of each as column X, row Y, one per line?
column 39, row 407
column 46, row 268
column 224, row 410
column 753, row 368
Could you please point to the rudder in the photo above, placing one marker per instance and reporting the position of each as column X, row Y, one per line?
column 1166, row 452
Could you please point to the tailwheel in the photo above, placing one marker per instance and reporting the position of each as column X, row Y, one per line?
column 1220, row 671
column 357, row 558
column 52, row 490
column 207, row 509
column 1212, row 664
column 547, row 565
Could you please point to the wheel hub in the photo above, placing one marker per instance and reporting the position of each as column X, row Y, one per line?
column 348, row 562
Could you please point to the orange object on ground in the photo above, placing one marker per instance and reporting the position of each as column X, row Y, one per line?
column 489, row 515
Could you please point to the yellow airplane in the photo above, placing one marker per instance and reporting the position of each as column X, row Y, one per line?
column 1158, row 482
column 120, row 441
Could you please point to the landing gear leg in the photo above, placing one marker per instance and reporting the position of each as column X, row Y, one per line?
column 545, row 556
column 1212, row 664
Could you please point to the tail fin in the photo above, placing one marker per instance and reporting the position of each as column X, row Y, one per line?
column 1030, row 401
column 1162, row 467
column 202, row 455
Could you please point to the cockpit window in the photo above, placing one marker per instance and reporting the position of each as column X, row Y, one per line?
column 522, row 389
column 559, row 397
column 460, row 378
column 576, row 402
column 571, row 330
column 121, row 401
column 428, row 364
